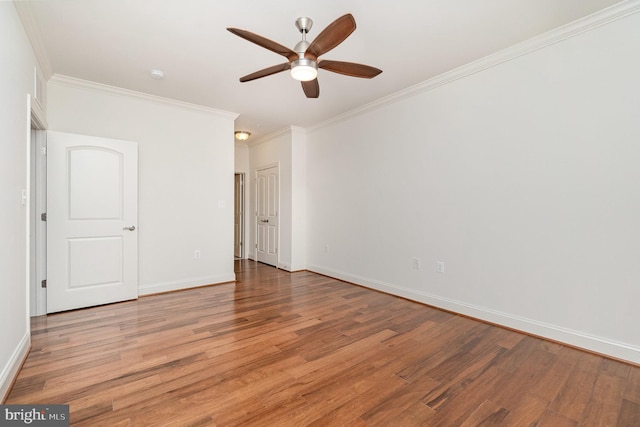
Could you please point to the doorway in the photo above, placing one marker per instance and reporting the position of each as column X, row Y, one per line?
column 267, row 221
column 238, row 216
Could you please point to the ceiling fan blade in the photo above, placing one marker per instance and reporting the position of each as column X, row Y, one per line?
column 332, row 36
column 311, row 88
column 266, row 72
column 350, row 69
column 265, row 43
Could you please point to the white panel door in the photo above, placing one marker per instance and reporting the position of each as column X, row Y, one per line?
column 92, row 219
column 267, row 216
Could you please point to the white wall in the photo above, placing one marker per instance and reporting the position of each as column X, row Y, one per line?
column 16, row 81
column 186, row 161
column 298, row 198
column 287, row 150
column 523, row 178
column 241, row 157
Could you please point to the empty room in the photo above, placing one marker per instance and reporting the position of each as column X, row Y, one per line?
column 420, row 213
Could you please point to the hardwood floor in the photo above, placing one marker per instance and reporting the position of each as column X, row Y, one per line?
column 281, row 349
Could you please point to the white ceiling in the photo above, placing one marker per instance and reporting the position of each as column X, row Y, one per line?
column 118, row 42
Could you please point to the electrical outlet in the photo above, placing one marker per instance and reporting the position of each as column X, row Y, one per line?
column 196, row 254
column 415, row 263
column 440, row 266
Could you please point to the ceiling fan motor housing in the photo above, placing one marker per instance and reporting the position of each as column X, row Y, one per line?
column 301, row 47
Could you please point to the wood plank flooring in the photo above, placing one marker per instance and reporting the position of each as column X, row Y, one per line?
column 298, row 349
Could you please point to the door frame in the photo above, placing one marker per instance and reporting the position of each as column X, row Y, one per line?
column 37, row 229
column 255, row 211
column 38, row 253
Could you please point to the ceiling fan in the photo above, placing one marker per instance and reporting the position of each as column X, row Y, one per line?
column 303, row 59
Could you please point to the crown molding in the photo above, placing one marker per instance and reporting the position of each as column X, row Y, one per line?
column 34, row 36
column 572, row 29
column 76, row 83
column 275, row 134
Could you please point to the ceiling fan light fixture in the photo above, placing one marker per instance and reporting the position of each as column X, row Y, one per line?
column 242, row 135
column 304, row 69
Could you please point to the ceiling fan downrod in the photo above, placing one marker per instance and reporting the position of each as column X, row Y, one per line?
column 303, row 24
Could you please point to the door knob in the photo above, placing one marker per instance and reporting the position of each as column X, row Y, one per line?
column 264, row 220
column 133, row 227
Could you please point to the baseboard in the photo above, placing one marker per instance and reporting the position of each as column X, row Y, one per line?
column 155, row 288
column 600, row 345
column 10, row 371
column 285, row 267
column 291, row 268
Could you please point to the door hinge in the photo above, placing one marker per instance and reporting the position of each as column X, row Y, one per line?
column 43, row 283
column 43, row 216
column 43, row 150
